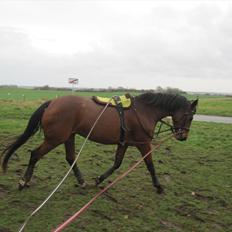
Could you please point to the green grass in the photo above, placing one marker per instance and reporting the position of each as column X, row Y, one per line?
column 196, row 175
column 216, row 106
column 210, row 105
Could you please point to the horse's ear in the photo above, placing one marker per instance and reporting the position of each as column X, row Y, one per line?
column 194, row 104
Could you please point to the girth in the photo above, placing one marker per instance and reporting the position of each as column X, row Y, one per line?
column 119, row 107
column 120, row 103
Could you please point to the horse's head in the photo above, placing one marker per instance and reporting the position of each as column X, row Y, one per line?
column 182, row 119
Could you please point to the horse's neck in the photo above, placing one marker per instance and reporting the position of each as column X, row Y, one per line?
column 160, row 113
column 152, row 114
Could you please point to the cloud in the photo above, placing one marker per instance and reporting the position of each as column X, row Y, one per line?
column 167, row 46
column 22, row 64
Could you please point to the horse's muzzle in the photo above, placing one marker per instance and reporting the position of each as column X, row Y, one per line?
column 181, row 134
column 181, row 138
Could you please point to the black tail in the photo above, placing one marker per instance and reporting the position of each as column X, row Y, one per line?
column 32, row 127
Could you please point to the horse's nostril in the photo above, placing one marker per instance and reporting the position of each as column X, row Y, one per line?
column 182, row 138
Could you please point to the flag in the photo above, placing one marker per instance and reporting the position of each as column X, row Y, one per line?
column 72, row 80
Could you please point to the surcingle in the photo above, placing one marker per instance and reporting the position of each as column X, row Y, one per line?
column 120, row 103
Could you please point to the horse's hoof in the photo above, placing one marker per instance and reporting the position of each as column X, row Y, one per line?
column 160, row 190
column 98, row 181
column 22, row 184
column 20, row 187
column 83, row 185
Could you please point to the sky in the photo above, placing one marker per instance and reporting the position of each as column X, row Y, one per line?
column 131, row 44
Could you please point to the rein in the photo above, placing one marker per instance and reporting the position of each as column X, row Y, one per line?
column 173, row 130
column 89, row 203
column 162, row 122
column 66, row 175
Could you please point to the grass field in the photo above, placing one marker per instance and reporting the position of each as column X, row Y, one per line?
column 210, row 105
column 196, row 175
column 21, row 94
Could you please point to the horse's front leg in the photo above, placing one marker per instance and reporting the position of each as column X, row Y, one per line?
column 117, row 162
column 144, row 149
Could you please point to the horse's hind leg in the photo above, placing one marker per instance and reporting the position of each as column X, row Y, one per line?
column 70, row 157
column 36, row 154
column 117, row 162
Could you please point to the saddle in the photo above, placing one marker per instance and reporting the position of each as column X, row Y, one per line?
column 124, row 100
column 120, row 103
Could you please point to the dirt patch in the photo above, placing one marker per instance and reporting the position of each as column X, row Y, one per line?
column 170, row 225
column 189, row 211
column 205, row 197
column 3, row 191
column 102, row 214
column 110, row 197
column 5, row 230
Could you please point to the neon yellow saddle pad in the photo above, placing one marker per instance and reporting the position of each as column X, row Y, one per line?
column 125, row 100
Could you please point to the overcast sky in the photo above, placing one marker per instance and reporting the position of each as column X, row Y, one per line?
column 138, row 44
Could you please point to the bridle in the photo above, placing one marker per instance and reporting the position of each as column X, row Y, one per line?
column 173, row 129
column 160, row 131
column 182, row 129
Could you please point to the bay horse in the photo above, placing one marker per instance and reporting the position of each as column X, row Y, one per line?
column 62, row 118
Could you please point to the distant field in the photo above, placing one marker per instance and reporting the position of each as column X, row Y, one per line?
column 210, row 105
column 31, row 94
column 216, row 106
column 196, row 175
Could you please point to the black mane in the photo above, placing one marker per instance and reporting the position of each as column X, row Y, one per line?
column 166, row 101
